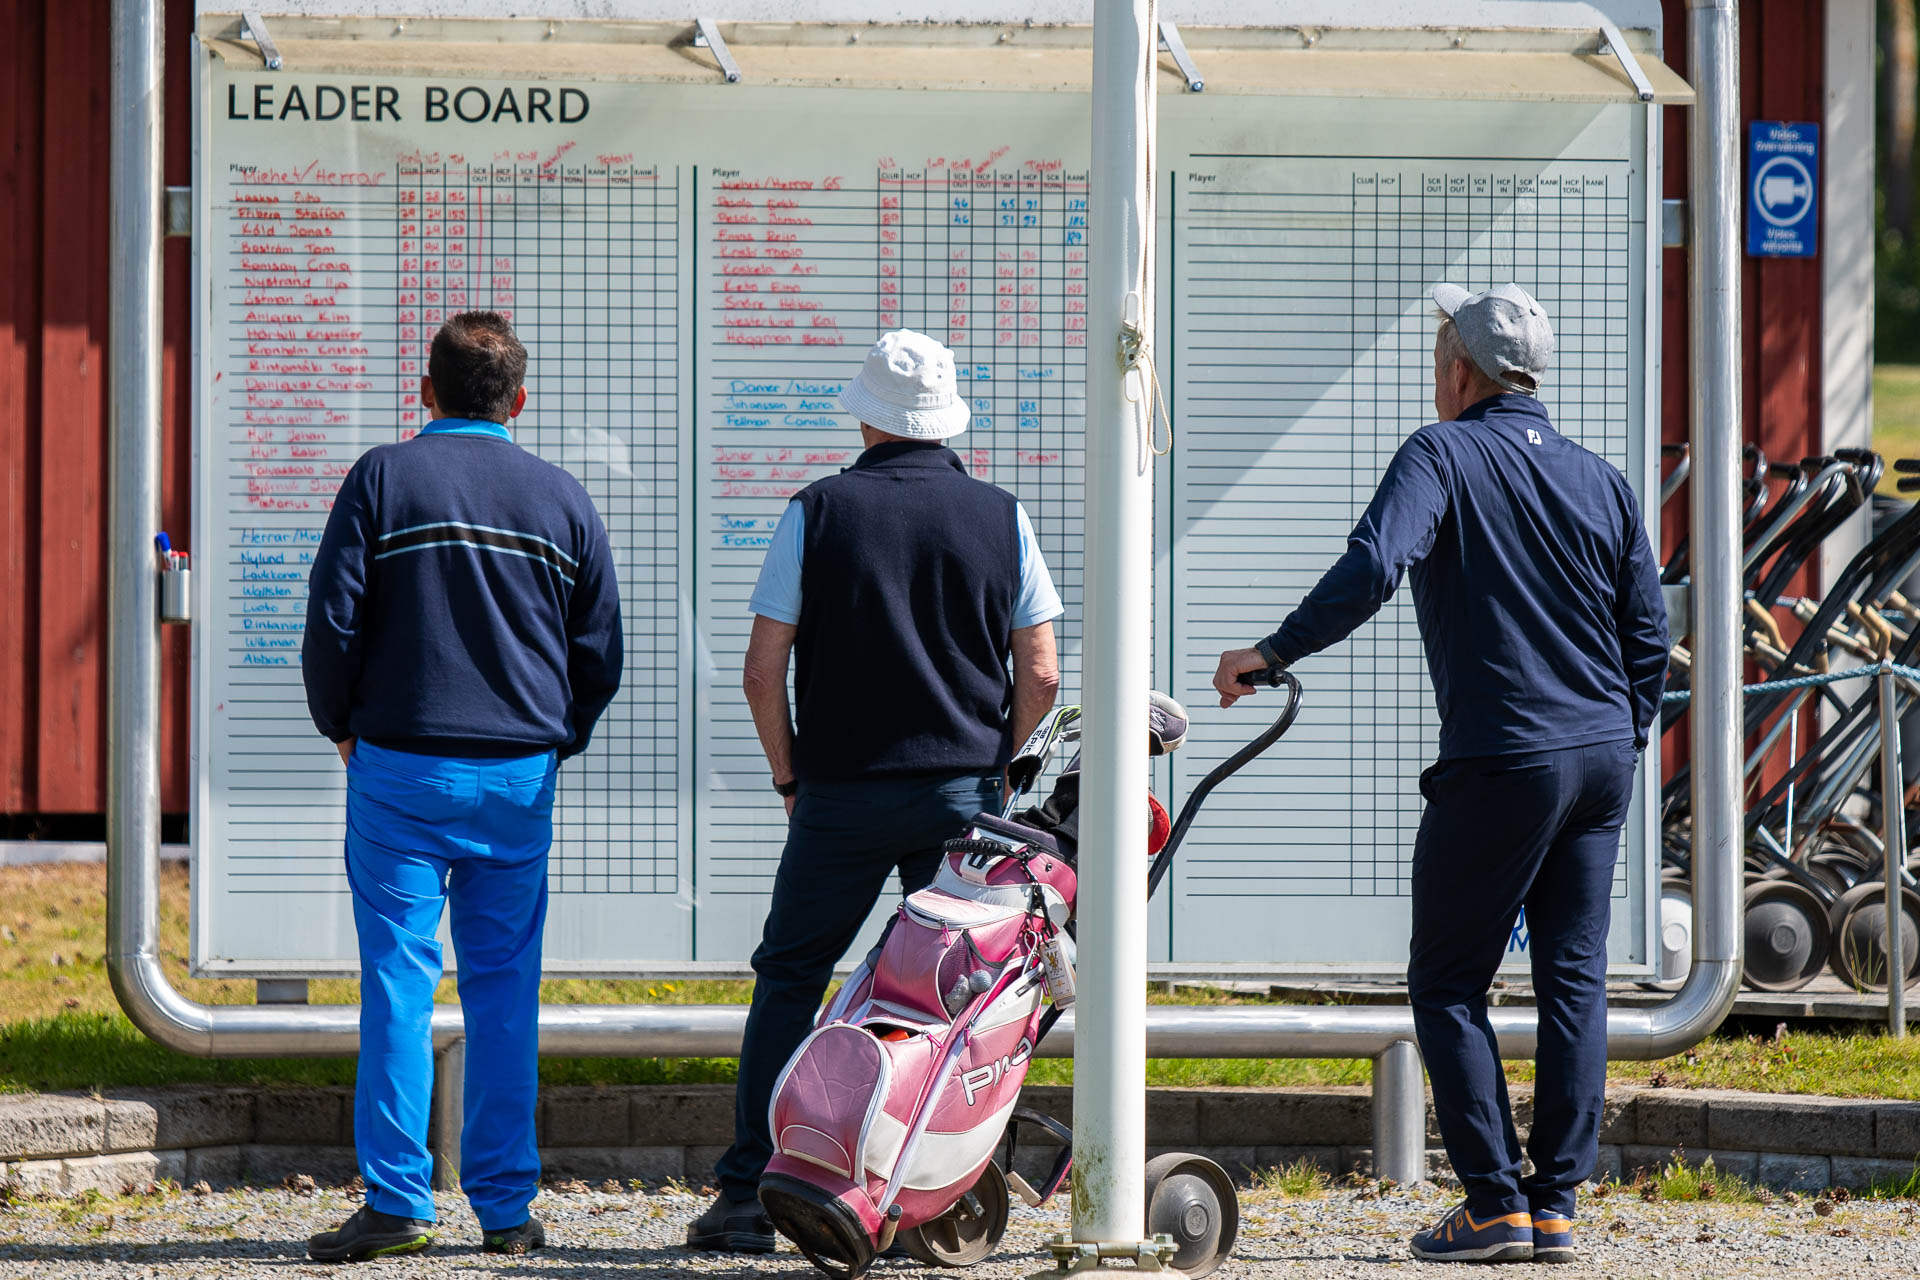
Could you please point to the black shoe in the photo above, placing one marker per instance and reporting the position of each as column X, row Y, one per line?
column 525, row 1238
column 370, row 1234
column 732, row 1226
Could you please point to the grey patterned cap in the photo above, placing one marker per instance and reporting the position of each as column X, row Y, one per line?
column 1504, row 330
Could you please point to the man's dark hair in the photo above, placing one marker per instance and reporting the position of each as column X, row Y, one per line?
column 476, row 365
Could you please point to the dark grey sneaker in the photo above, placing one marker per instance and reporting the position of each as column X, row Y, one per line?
column 525, row 1238
column 732, row 1226
column 370, row 1234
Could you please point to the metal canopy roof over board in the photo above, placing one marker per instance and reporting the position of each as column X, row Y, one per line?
column 1565, row 65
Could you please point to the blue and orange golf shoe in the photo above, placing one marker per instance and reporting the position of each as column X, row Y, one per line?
column 1553, row 1238
column 1460, row 1237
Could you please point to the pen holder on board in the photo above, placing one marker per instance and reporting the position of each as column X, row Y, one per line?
column 176, row 592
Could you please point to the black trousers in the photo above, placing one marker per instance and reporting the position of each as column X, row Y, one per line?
column 843, row 841
column 1539, row 830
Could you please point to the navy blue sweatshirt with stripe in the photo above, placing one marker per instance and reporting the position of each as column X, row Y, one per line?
column 1534, row 585
column 463, row 601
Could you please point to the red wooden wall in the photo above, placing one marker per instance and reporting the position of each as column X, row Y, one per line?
column 54, row 259
column 1782, row 64
column 1782, row 77
column 54, row 255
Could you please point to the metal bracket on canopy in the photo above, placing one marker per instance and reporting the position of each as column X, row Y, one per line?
column 707, row 36
column 255, row 29
column 1617, row 45
column 1170, row 41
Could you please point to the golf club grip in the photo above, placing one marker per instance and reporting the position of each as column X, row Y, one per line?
column 1277, row 676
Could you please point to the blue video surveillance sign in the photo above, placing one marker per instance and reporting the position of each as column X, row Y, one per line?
column 1783, row 185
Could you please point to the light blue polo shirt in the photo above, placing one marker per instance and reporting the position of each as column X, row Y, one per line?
column 777, row 594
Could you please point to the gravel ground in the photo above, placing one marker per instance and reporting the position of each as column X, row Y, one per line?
column 600, row 1235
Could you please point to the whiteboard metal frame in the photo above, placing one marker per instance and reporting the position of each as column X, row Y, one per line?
column 1644, row 815
column 133, row 802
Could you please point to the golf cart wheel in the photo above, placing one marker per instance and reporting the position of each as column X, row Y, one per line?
column 1192, row 1199
column 1860, row 936
column 968, row 1232
column 1788, row 935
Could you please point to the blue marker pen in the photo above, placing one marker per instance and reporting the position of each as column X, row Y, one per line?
column 164, row 545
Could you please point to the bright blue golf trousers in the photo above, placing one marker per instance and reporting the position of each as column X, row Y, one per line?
column 423, row 830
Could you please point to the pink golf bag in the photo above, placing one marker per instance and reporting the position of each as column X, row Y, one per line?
column 886, row 1119
column 907, row 1083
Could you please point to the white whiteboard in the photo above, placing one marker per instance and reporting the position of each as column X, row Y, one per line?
column 695, row 270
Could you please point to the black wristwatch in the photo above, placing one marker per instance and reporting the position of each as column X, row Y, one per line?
column 786, row 790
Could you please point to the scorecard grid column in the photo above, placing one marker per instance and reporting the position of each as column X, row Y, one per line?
column 588, row 271
column 797, row 274
column 304, row 378
column 801, row 270
column 1303, row 332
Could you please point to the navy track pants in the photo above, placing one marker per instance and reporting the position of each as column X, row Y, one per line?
column 1539, row 830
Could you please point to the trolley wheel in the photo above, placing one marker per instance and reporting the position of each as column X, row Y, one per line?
column 1860, row 936
column 1192, row 1199
column 968, row 1232
column 1788, row 935
column 1839, row 872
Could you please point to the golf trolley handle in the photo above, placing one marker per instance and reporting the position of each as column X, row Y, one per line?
column 1274, row 677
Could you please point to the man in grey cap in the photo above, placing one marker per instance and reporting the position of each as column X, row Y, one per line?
column 1539, row 605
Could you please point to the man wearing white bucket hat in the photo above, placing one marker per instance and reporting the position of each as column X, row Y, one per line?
column 919, row 614
column 1539, row 604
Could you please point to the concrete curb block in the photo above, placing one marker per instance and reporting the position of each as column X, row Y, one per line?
column 68, row 1144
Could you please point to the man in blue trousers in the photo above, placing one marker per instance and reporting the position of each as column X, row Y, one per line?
column 918, row 613
column 1539, row 604
column 463, row 636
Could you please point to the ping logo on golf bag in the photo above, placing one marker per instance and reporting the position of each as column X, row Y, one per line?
column 985, row 1077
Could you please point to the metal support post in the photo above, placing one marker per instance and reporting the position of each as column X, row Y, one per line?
column 1110, row 1075
column 1713, row 261
column 133, row 508
column 1893, row 826
column 1399, row 1114
column 449, row 1113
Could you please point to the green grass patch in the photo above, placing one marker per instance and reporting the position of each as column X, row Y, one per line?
column 99, row 1050
column 1906, row 1188
column 60, row 1027
column 1896, row 415
column 1685, row 1183
column 1862, row 1064
column 1267, row 1073
column 1301, row 1180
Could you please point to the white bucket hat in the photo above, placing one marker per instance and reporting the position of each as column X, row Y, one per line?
column 907, row 388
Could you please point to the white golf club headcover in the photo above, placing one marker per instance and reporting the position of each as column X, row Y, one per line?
column 1166, row 724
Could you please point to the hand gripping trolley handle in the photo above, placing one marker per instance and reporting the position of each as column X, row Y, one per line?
column 1189, row 1197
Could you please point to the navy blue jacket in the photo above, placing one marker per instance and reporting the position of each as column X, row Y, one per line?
column 462, row 602
column 1536, row 591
